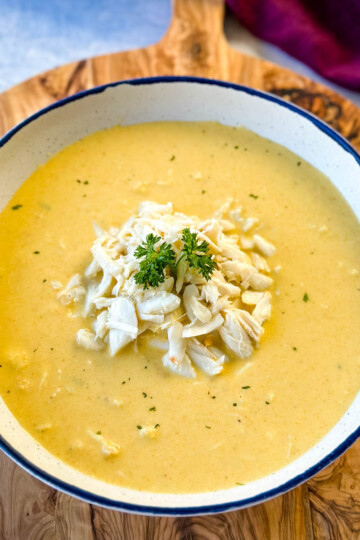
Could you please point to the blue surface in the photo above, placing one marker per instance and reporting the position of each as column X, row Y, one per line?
column 36, row 35
column 151, row 510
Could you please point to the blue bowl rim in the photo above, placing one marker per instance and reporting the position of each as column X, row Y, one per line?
column 191, row 510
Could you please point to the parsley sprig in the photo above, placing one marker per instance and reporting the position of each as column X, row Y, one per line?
column 154, row 262
column 197, row 254
column 152, row 268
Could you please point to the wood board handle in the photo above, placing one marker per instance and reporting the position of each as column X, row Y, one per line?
column 204, row 18
column 195, row 40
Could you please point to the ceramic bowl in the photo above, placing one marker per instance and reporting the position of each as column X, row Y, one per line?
column 175, row 98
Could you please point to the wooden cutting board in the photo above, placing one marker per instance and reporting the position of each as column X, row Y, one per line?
column 328, row 505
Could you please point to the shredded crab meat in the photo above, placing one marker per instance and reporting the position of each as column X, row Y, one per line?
column 176, row 358
column 265, row 247
column 210, row 359
column 262, row 310
column 195, row 309
column 108, row 447
column 201, row 318
column 122, row 323
column 200, row 329
column 148, row 431
column 74, row 291
column 87, row 339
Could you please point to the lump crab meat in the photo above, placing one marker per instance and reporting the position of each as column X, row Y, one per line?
column 232, row 302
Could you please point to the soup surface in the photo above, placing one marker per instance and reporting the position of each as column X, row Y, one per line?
column 256, row 416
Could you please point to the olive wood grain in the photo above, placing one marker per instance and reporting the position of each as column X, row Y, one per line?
column 327, row 506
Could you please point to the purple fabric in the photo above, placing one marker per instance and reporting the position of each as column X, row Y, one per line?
column 324, row 34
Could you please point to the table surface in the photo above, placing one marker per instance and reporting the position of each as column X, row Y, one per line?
column 328, row 505
column 36, row 36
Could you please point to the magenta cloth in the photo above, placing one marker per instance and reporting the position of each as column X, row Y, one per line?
column 324, row 34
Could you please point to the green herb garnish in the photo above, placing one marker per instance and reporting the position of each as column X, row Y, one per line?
column 16, row 207
column 152, row 409
column 245, row 387
column 197, row 254
column 139, row 427
column 253, row 196
column 152, row 267
column 306, row 297
column 98, row 433
column 172, row 158
column 156, row 426
column 151, row 272
column 144, row 394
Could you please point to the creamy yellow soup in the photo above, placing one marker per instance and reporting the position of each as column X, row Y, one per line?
column 213, row 433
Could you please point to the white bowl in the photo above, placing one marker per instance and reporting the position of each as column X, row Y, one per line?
column 176, row 98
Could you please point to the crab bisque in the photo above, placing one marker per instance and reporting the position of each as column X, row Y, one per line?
column 208, row 380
